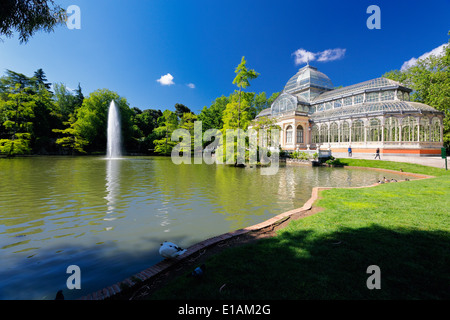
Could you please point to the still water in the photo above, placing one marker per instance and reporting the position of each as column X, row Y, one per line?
column 109, row 216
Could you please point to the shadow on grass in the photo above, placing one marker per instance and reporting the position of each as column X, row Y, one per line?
column 304, row 265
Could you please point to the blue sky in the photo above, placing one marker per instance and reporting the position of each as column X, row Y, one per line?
column 126, row 46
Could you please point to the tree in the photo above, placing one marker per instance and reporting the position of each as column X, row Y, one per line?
column 45, row 118
column 15, row 82
column 167, row 123
column 28, row 16
column 79, row 96
column 147, row 120
column 236, row 116
column 27, row 113
column 211, row 117
column 41, row 78
column 145, row 123
column 16, row 113
column 71, row 139
column 181, row 109
column 242, row 81
column 92, row 119
column 260, row 103
column 187, row 122
column 66, row 102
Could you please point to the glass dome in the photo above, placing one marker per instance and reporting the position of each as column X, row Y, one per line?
column 306, row 77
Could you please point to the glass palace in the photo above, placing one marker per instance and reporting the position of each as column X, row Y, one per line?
column 372, row 114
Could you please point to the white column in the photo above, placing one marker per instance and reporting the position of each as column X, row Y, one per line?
column 418, row 129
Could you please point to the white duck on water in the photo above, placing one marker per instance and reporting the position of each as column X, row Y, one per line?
column 170, row 250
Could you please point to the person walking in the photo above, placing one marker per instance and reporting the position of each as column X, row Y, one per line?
column 349, row 151
column 377, row 154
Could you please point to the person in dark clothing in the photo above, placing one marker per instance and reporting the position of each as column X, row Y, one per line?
column 377, row 154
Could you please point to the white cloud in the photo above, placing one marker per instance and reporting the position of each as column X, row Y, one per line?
column 304, row 56
column 191, row 85
column 166, row 80
column 331, row 54
column 435, row 52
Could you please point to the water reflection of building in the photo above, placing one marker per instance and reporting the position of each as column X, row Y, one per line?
column 373, row 114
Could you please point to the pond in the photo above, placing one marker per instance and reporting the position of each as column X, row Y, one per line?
column 109, row 216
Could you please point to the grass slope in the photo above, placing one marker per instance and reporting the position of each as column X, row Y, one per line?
column 404, row 228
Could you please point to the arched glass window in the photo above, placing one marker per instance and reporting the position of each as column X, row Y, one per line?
column 289, row 135
column 391, row 129
column 435, row 130
column 323, row 133
column 283, row 103
column 374, row 130
column 357, row 131
column 315, row 134
column 299, row 134
column 345, row 132
column 424, row 129
column 334, row 132
column 409, row 129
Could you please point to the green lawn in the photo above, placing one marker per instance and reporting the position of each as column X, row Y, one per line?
column 404, row 228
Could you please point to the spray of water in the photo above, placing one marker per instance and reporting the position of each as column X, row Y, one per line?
column 114, row 145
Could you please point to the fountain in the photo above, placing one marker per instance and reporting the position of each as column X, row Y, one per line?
column 114, row 145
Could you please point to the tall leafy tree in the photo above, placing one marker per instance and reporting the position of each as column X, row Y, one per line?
column 181, row 109
column 147, row 122
column 16, row 112
column 79, row 96
column 242, row 81
column 27, row 114
column 236, row 115
column 212, row 116
column 41, row 79
column 66, row 102
column 45, row 118
column 260, row 103
column 70, row 137
column 92, row 119
column 15, row 82
column 187, row 122
column 167, row 123
column 29, row 16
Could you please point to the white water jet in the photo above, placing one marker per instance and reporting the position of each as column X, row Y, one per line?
column 114, row 144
